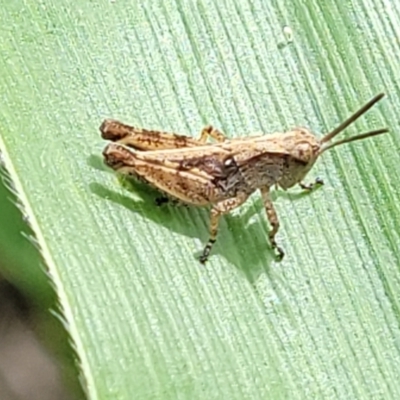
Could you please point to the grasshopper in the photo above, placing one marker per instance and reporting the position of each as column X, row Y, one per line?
column 224, row 173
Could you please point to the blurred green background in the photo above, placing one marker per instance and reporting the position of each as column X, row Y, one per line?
column 46, row 368
column 20, row 259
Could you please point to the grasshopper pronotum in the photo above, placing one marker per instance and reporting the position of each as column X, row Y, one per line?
column 223, row 174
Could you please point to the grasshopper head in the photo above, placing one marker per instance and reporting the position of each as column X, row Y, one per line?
column 304, row 148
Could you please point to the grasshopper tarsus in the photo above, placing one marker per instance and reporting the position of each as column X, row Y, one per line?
column 279, row 253
column 161, row 200
column 311, row 186
column 203, row 258
column 206, row 252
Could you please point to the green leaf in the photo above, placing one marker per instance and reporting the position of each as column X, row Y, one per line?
column 19, row 258
column 145, row 318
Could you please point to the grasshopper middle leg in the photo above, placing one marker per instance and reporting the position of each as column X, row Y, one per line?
column 273, row 220
column 223, row 207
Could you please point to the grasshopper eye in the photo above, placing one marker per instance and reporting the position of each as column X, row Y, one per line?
column 225, row 168
column 230, row 165
column 303, row 147
column 228, row 162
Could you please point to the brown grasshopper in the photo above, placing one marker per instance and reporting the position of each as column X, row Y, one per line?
column 223, row 174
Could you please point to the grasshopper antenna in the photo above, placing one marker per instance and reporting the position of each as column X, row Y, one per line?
column 348, row 122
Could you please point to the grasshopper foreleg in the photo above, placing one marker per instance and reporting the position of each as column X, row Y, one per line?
column 311, row 186
column 273, row 220
column 223, row 207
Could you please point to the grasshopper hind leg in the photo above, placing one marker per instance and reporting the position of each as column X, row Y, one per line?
column 223, row 207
